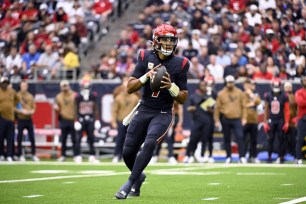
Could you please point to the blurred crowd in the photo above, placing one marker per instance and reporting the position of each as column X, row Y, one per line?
column 258, row 39
column 40, row 38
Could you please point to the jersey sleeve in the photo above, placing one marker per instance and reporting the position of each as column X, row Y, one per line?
column 181, row 81
column 140, row 68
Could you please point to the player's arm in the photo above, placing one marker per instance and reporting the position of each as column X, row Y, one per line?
column 134, row 84
column 217, row 111
column 180, row 114
column 300, row 99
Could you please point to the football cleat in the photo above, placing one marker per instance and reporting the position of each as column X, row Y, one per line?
column 228, row 160
column 172, row 160
column 135, row 191
column 124, row 190
column 35, row 158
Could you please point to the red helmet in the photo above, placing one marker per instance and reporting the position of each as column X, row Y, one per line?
column 276, row 85
column 166, row 33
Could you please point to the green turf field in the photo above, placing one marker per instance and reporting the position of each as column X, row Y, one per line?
column 52, row 182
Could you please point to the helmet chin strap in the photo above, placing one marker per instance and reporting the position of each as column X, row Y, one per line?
column 85, row 93
column 276, row 90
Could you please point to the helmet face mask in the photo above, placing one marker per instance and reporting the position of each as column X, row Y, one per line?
column 276, row 86
column 165, row 39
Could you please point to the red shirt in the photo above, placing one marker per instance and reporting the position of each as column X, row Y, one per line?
column 260, row 75
column 300, row 98
column 102, row 6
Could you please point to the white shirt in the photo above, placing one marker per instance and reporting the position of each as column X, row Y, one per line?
column 216, row 71
column 252, row 20
column 265, row 4
column 11, row 61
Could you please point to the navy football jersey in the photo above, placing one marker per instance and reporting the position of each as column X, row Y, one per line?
column 86, row 108
column 276, row 105
column 177, row 67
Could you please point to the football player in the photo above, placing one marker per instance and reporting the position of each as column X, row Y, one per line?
column 276, row 119
column 87, row 117
column 300, row 98
column 153, row 116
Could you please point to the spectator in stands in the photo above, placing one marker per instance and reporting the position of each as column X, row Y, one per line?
column 231, row 118
column 123, row 105
column 70, row 62
column 196, row 70
column 65, row 106
column 24, row 120
column 291, row 66
column 271, row 67
column 222, row 58
column 13, row 59
column 253, row 16
column 233, row 68
column 123, row 66
column 124, row 42
column 203, row 56
column 300, row 59
column 30, row 13
column 216, row 70
column 29, row 59
column 48, row 63
column 190, row 51
column 60, row 16
column 262, row 73
column 182, row 43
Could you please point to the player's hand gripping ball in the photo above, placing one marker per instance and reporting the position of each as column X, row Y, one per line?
column 157, row 77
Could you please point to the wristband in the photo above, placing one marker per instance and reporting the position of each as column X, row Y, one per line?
column 174, row 90
column 143, row 79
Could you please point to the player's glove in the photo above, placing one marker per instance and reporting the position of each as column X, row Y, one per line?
column 285, row 127
column 97, row 124
column 77, row 126
column 266, row 127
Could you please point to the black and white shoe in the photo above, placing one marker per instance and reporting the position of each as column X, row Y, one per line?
column 135, row 191
column 124, row 190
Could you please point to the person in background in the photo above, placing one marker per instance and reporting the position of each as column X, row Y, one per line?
column 8, row 102
column 178, row 122
column 276, row 119
column 65, row 106
column 24, row 120
column 292, row 131
column 201, row 108
column 252, row 100
column 87, row 117
column 123, row 105
column 231, row 111
column 300, row 98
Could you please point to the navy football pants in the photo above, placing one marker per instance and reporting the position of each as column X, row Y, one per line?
column 28, row 125
column 301, row 128
column 148, row 127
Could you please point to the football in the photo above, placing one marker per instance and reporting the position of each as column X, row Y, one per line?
column 155, row 81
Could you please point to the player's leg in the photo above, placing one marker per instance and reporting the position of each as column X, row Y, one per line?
column 75, row 144
column 89, row 129
column 253, row 144
column 120, row 140
column 64, row 135
column 301, row 132
column 271, row 137
column 10, row 140
column 226, row 130
column 30, row 129
column 171, row 138
column 281, row 143
column 3, row 130
column 238, row 131
column 194, row 139
column 20, row 128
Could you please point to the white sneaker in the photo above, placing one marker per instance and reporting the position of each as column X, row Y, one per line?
column 115, row 159
column 257, row 161
column 277, row 161
column 22, row 159
column 77, row 159
column 9, row 159
column 211, row 160
column 172, row 160
column 228, row 160
column 2, row 158
column 185, row 160
column 242, row 160
column 299, row 162
column 61, row 159
column 204, row 159
column 92, row 159
column 153, row 160
column 191, row 160
column 35, row 158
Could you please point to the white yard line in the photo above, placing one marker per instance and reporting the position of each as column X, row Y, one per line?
column 298, row 200
column 32, row 196
column 63, row 177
